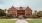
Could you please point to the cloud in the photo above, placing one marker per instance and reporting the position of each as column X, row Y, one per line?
column 0, row 5
column 33, row 4
column 1, row 1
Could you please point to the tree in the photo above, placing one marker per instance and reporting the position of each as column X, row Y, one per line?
column 2, row 13
column 35, row 14
column 39, row 14
column 5, row 10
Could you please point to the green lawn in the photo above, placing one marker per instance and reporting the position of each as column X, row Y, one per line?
column 35, row 21
column 7, row 21
column 13, row 21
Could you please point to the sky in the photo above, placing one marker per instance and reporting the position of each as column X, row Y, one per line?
column 33, row 4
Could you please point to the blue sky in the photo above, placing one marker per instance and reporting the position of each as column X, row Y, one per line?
column 33, row 4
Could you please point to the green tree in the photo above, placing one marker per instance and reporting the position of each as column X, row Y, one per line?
column 2, row 13
column 35, row 14
column 39, row 14
column 5, row 10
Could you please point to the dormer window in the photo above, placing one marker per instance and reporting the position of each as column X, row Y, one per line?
column 27, row 7
column 20, row 7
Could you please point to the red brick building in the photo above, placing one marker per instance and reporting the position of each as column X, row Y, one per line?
column 17, row 11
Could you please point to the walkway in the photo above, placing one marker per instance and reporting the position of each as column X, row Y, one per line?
column 21, row 21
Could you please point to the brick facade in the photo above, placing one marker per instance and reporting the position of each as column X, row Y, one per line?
column 27, row 12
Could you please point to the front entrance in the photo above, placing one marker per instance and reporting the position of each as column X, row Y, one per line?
column 20, row 12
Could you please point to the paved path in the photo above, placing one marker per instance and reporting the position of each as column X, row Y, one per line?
column 21, row 21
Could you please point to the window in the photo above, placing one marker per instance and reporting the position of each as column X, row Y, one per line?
column 27, row 14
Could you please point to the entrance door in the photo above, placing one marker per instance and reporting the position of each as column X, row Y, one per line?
column 21, row 12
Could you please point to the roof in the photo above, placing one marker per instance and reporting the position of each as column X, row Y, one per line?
column 19, row 8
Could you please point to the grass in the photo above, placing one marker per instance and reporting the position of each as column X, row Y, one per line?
column 35, row 21
column 13, row 21
column 7, row 21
